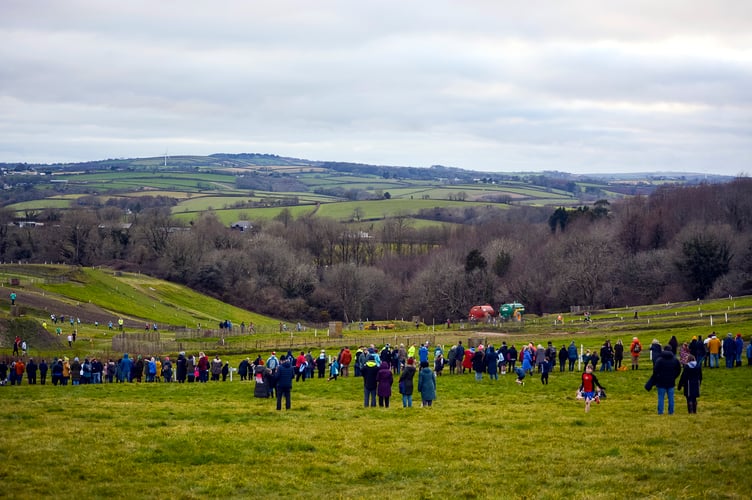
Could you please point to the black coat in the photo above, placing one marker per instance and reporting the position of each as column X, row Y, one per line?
column 690, row 380
column 665, row 370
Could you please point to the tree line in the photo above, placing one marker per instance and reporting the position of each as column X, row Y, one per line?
column 678, row 243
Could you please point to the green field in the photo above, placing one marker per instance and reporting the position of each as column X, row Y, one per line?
column 534, row 441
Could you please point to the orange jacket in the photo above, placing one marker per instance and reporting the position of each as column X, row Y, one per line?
column 714, row 345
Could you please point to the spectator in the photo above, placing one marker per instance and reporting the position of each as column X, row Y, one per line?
column 426, row 385
column 665, row 371
column 690, row 380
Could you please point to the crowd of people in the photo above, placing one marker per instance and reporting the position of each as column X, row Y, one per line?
column 379, row 368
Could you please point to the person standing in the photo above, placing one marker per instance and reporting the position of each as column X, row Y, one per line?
column 344, row 362
column 618, row 354
column 690, row 381
column 492, row 361
column 426, row 385
column 216, row 368
column 321, row 363
column 563, row 356
column 406, row 383
column 479, row 365
column 370, row 371
column 385, row 380
column 43, row 368
column 572, row 355
column 459, row 358
column 31, row 372
column 655, row 351
column 665, row 371
column 607, row 355
column 13, row 298
column 203, row 367
column 714, row 349
column 181, row 368
column 283, row 376
column 729, row 350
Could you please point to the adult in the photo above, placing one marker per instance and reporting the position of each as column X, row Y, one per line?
column 423, row 352
column 665, row 371
column 674, row 343
column 181, row 368
column 344, row 362
column 572, row 355
column 406, row 383
column 243, row 368
column 511, row 357
column 479, row 364
column 701, row 352
column 31, row 371
column 75, row 371
column 729, row 350
column 321, row 363
column 739, row 348
column 57, row 372
column 540, row 357
column 125, row 367
column 426, row 385
column 43, row 368
column 618, row 354
column 690, row 380
column 452, row 359
column 300, row 366
column 655, row 351
column 492, row 360
column 137, row 371
column 283, row 378
column 384, row 380
column 714, row 349
column 607, row 356
column 216, row 368
column 527, row 360
column 203, row 367
column 272, row 362
column 563, row 357
column 635, row 348
column 370, row 371
column 467, row 362
column 460, row 357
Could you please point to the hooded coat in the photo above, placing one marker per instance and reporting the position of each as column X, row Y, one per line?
column 427, row 384
column 385, row 380
column 690, row 380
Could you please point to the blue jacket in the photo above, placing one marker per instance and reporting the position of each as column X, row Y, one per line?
column 572, row 351
column 427, row 384
column 284, row 375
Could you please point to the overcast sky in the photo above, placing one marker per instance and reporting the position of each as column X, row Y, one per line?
column 577, row 86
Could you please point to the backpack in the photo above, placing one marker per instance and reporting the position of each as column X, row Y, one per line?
column 637, row 348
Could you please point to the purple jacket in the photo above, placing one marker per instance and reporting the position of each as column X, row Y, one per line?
column 385, row 380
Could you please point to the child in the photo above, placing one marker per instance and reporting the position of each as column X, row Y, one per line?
column 520, row 375
column 333, row 370
column 690, row 380
column 589, row 383
column 545, row 369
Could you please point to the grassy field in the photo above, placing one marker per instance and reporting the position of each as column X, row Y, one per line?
column 487, row 439
column 479, row 440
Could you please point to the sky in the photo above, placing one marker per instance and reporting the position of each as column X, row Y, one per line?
column 577, row 86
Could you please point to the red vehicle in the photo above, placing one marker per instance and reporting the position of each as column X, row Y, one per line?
column 481, row 313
